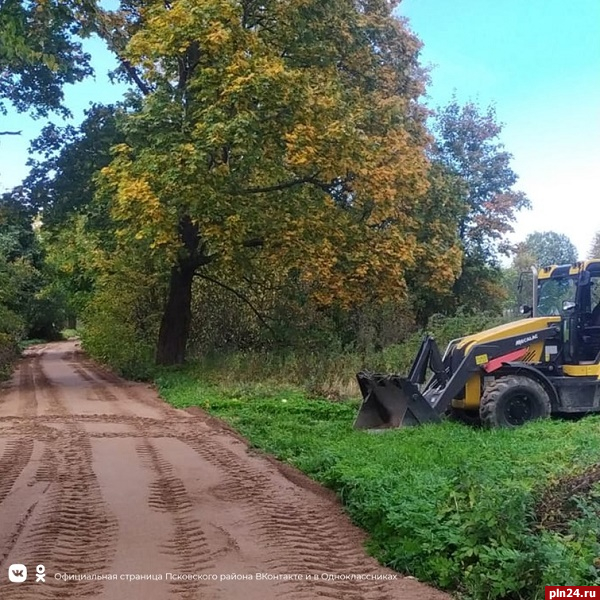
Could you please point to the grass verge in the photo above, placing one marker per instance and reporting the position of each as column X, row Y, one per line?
column 490, row 514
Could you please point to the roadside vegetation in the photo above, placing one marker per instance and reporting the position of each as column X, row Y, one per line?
column 488, row 514
column 330, row 371
column 30, row 308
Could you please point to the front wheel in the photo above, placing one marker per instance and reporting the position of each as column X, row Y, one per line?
column 513, row 400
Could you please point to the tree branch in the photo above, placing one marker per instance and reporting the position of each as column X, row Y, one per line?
column 134, row 76
column 276, row 188
column 187, row 65
column 285, row 185
column 253, row 243
column 243, row 298
column 117, row 46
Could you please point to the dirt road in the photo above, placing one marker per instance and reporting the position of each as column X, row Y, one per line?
column 120, row 496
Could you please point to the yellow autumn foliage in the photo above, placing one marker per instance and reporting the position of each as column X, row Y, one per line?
column 293, row 123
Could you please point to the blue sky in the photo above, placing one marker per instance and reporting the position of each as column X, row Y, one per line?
column 538, row 61
column 78, row 97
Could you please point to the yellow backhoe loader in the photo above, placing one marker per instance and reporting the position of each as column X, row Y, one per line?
column 546, row 364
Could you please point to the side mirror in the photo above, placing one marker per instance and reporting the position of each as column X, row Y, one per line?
column 524, row 309
column 568, row 305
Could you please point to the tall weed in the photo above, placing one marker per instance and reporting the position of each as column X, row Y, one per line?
column 331, row 371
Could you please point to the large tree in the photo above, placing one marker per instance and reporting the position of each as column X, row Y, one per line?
column 285, row 135
column 543, row 248
column 22, row 275
column 62, row 179
column 537, row 249
column 61, row 189
column 468, row 149
column 468, row 145
column 440, row 257
column 595, row 246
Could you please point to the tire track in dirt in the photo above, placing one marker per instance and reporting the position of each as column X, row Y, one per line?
column 306, row 536
column 78, row 531
column 43, row 385
column 17, row 454
column 68, row 528
column 18, row 394
column 136, row 394
column 24, row 494
column 71, row 530
column 48, row 428
column 102, row 393
column 26, row 390
column 19, row 483
column 116, row 481
column 167, row 494
column 188, row 544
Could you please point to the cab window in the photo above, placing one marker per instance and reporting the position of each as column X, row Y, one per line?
column 552, row 293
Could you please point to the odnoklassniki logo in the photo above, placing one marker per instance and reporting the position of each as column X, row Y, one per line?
column 17, row 573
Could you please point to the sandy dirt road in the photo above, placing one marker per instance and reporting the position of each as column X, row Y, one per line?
column 100, row 478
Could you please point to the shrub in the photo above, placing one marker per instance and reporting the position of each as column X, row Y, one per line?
column 12, row 329
column 331, row 370
column 120, row 323
column 9, row 351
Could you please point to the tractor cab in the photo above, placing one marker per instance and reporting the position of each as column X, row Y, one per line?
column 573, row 293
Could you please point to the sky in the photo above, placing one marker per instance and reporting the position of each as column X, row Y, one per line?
column 537, row 61
column 78, row 97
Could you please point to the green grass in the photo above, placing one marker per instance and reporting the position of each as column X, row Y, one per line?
column 70, row 334
column 24, row 344
column 451, row 505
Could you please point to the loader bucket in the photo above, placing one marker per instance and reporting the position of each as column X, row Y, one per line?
column 391, row 401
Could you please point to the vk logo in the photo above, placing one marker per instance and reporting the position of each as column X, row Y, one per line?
column 17, row 573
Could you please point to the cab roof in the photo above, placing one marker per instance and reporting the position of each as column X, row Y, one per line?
column 552, row 271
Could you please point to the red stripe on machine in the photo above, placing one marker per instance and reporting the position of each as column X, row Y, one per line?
column 496, row 363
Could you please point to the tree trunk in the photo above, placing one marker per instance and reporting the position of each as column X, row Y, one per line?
column 177, row 316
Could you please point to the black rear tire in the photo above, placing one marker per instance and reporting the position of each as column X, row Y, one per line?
column 512, row 400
